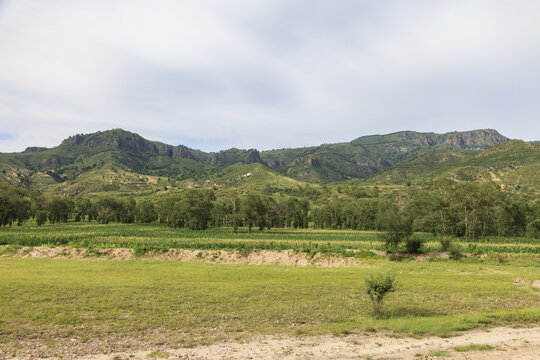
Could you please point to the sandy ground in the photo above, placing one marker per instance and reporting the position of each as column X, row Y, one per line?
column 507, row 343
column 255, row 257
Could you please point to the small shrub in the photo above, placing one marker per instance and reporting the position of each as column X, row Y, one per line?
column 455, row 252
column 502, row 259
column 445, row 243
column 395, row 257
column 378, row 286
column 414, row 244
column 473, row 249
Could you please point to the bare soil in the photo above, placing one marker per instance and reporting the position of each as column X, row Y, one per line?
column 255, row 257
column 506, row 343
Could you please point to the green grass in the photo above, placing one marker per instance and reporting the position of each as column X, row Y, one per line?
column 145, row 237
column 48, row 300
column 159, row 354
column 438, row 353
column 473, row 347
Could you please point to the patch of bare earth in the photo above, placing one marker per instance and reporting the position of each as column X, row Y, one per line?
column 255, row 257
column 506, row 343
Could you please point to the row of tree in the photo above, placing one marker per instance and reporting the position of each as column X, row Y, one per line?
column 462, row 209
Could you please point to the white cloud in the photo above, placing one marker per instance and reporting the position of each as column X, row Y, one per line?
column 266, row 74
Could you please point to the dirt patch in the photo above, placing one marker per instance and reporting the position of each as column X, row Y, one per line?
column 494, row 271
column 505, row 343
column 255, row 257
column 420, row 257
column 535, row 284
column 523, row 282
column 461, row 272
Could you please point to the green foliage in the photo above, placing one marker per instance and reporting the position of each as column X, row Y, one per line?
column 191, row 209
column 473, row 347
column 414, row 244
column 123, row 162
column 533, row 229
column 446, row 242
column 41, row 217
column 377, row 286
column 455, row 251
column 145, row 212
column 15, row 205
column 398, row 227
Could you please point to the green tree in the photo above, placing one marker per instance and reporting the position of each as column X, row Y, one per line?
column 145, row 211
column 377, row 286
column 254, row 211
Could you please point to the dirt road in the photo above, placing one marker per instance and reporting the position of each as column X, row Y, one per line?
column 505, row 343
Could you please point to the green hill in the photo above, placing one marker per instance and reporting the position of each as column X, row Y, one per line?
column 120, row 161
column 514, row 164
column 369, row 155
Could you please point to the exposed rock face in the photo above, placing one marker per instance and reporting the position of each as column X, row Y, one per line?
column 117, row 138
column 232, row 156
column 32, row 149
column 274, row 164
column 125, row 140
column 252, row 156
column 182, row 152
column 373, row 163
column 472, row 139
column 423, row 141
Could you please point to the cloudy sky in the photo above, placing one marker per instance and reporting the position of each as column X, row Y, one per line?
column 266, row 74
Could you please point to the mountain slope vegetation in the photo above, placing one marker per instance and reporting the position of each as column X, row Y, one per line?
column 124, row 162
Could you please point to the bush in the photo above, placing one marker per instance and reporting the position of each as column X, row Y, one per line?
column 455, row 252
column 399, row 230
column 533, row 229
column 445, row 243
column 378, row 286
column 414, row 244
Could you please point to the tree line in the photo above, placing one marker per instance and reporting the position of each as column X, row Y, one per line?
column 445, row 207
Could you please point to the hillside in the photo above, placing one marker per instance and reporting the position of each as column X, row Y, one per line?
column 514, row 164
column 122, row 161
column 369, row 155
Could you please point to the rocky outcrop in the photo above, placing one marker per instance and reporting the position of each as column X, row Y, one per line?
column 472, row 139
column 275, row 164
column 373, row 163
column 33, row 149
column 234, row 155
column 252, row 157
column 125, row 140
column 182, row 152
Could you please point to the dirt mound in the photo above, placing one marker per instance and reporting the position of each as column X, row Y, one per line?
column 255, row 257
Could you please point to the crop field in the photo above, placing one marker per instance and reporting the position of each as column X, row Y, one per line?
column 146, row 237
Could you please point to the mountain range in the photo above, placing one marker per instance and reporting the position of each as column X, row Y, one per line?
column 122, row 161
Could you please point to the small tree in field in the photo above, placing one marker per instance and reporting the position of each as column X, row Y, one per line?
column 378, row 286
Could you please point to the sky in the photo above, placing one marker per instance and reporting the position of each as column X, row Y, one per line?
column 266, row 74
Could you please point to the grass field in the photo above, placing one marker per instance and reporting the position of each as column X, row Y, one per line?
column 80, row 306
column 182, row 304
column 159, row 237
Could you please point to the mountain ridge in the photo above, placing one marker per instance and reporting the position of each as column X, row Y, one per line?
column 105, row 159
